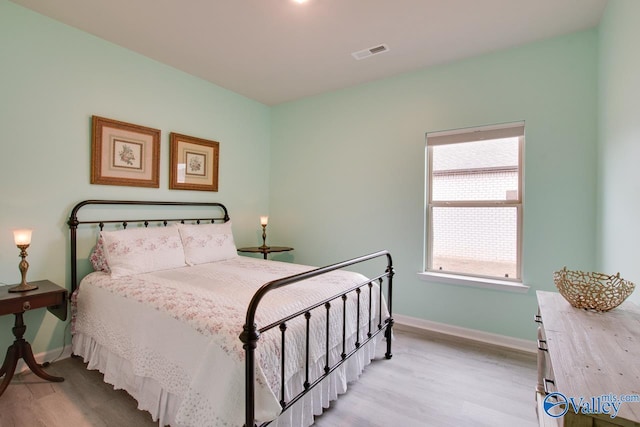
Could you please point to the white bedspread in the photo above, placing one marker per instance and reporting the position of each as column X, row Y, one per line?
column 171, row 339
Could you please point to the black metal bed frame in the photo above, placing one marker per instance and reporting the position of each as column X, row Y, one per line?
column 251, row 332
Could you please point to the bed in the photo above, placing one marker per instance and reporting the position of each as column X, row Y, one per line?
column 200, row 336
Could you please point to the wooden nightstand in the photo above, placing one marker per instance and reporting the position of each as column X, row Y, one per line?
column 47, row 295
column 265, row 251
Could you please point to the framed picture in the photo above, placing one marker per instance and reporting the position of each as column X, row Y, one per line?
column 124, row 154
column 193, row 163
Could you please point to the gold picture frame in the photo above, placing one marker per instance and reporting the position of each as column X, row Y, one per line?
column 193, row 163
column 124, row 154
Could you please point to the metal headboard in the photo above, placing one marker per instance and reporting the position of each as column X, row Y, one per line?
column 73, row 221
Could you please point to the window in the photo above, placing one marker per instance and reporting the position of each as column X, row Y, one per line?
column 474, row 202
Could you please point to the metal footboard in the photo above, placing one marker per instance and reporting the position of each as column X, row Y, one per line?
column 251, row 332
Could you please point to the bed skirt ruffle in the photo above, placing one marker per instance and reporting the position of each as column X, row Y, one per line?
column 163, row 405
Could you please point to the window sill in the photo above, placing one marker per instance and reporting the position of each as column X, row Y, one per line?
column 474, row 282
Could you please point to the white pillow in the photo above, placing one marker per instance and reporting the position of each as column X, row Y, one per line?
column 143, row 250
column 207, row 242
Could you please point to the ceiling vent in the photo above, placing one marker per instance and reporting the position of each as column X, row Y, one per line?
column 376, row 50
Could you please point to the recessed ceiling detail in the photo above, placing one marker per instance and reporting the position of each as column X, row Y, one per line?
column 376, row 50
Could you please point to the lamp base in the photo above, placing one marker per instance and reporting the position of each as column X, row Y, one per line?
column 22, row 287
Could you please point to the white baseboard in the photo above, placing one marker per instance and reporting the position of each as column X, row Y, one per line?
column 470, row 334
column 47, row 356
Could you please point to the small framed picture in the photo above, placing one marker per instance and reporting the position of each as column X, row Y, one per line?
column 193, row 163
column 124, row 154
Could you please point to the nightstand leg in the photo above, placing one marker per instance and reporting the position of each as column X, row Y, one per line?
column 3, row 369
column 27, row 355
column 21, row 349
column 9, row 367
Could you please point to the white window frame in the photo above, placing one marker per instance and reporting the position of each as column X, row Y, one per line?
column 507, row 130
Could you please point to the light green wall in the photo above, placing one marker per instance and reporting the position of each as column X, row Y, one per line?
column 346, row 174
column 347, row 171
column 619, row 141
column 53, row 78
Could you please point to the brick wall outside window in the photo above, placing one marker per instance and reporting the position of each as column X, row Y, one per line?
column 478, row 233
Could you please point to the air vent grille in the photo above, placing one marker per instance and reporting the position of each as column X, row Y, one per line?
column 375, row 50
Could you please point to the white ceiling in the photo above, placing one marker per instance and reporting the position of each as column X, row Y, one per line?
column 275, row 51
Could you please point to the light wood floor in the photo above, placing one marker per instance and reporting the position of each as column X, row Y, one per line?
column 432, row 380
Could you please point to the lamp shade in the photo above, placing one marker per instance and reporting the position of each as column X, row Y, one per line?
column 264, row 220
column 22, row 236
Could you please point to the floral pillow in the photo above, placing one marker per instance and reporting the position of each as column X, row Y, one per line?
column 207, row 242
column 143, row 250
column 98, row 258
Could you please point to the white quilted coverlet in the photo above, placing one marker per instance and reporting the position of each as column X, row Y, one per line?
column 171, row 339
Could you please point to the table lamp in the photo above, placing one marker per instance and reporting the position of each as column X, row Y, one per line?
column 263, row 222
column 22, row 238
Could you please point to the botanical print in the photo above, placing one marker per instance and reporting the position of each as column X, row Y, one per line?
column 193, row 163
column 124, row 153
column 196, row 163
column 127, row 154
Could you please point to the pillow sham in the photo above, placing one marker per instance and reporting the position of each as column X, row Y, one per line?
column 207, row 242
column 143, row 250
column 98, row 258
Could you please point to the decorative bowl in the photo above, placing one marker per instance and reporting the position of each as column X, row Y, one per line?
column 595, row 291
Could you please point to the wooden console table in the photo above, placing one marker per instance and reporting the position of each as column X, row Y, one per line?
column 583, row 353
column 47, row 295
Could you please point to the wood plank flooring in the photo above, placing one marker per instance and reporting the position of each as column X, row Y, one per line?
column 432, row 380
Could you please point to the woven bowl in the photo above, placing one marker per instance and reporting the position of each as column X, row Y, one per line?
column 595, row 291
